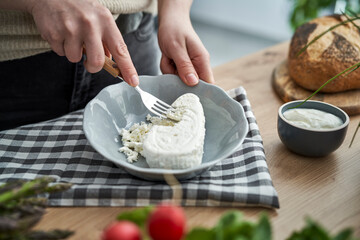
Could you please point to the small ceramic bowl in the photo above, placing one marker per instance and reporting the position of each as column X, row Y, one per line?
column 312, row 142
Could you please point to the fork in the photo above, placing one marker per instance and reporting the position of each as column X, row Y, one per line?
column 152, row 103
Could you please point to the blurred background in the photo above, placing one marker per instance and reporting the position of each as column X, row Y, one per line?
column 231, row 29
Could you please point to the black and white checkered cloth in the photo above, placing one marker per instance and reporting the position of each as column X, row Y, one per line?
column 58, row 148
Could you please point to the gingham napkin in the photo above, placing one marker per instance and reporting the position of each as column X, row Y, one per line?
column 59, row 148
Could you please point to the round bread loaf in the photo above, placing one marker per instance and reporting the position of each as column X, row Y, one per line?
column 329, row 55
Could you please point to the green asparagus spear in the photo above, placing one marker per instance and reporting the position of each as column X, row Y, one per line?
column 27, row 189
column 21, row 208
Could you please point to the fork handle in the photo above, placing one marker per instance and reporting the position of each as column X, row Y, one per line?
column 137, row 88
column 110, row 67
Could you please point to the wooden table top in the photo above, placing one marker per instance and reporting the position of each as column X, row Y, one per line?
column 326, row 189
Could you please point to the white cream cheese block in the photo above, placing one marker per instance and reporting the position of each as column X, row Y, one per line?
column 179, row 146
column 167, row 144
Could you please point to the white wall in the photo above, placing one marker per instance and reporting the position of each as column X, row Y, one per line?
column 264, row 18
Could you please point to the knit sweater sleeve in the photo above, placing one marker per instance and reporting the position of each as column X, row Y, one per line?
column 20, row 38
column 130, row 6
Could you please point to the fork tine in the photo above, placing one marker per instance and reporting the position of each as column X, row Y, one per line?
column 158, row 112
column 162, row 114
column 161, row 107
column 148, row 99
column 164, row 105
column 155, row 105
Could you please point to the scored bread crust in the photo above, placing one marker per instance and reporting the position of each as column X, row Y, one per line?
column 329, row 55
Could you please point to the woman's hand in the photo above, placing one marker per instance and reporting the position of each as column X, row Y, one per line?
column 69, row 25
column 182, row 51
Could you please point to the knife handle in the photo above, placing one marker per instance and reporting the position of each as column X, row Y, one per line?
column 111, row 67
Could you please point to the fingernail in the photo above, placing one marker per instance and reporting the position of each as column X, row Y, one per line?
column 134, row 80
column 191, row 79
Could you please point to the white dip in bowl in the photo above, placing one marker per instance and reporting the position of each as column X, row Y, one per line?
column 312, row 118
column 314, row 129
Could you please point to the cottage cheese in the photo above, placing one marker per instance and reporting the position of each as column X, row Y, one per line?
column 168, row 144
column 312, row 118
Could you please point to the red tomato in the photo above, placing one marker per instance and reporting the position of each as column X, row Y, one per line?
column 122, row 230
column 167, row 222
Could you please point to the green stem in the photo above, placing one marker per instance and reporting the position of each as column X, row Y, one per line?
column 353, row 137
column 323, row 33
column 352, row 21
column 328, row 81
column 351, row 71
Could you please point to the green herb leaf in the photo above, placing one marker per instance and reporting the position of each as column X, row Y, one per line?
column 263, row 229
column 231, row 225
column 305, row 10
column 137, row 216
column 229, row 218
column 201, row 233
column 344, row 235
column 242, row 229
column 312, row 231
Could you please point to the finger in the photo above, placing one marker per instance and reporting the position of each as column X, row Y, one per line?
column 55, row 41
column 73, row 49
column 73, row 43
column 58, row 48
column 185, row 68
column 95, row 55
column 107, row 52
column 167, row 65
column 121, row 55
column 205, row 72
column 203, row 67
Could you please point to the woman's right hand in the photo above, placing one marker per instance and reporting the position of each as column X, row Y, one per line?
column 69, row 25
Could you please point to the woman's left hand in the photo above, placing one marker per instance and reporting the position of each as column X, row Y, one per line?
column 182, row 50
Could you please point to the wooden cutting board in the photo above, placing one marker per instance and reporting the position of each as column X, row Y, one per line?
column 288, row 90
